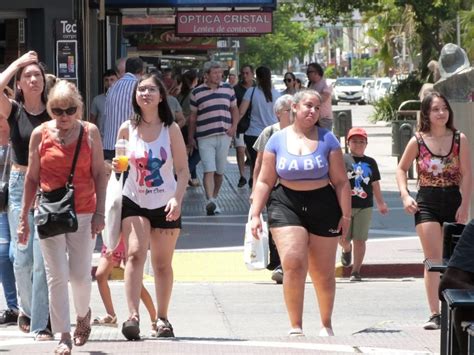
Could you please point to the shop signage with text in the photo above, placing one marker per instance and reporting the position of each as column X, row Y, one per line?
column 228, row 23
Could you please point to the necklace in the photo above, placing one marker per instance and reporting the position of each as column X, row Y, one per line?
column 34, row 112
column 64, row 137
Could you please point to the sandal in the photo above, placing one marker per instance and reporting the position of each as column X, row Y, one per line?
column 83, row 329
column 44, row 335
column 107, row 320
column 24, row 322
column 164, row 328
column 131, row 328
column 64, row 347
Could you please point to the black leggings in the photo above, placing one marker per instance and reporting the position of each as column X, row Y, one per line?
column 249, row 142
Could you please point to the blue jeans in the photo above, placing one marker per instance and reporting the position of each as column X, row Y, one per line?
column 7, row 276
column 193, row 161
column 28, row 265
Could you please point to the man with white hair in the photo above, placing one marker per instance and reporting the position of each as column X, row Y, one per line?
column 213, row 122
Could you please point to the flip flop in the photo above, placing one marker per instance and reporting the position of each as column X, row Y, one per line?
column 44, row 335
column 131, row 329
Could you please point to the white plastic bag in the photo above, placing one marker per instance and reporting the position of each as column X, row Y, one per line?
column 256, row 250
column 113, row 212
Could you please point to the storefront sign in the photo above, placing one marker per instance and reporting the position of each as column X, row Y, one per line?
column 66, row 50
column 223, row 24
column 190, row 3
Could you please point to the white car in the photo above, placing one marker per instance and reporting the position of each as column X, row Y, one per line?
column 348, row 90
column 379, row 89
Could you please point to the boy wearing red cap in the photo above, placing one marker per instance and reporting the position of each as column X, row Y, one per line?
column 364, row 176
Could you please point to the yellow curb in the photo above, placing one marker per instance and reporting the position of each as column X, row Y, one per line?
column 215, row 267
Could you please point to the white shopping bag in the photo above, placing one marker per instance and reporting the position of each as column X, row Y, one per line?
column 256, row 250
column 113, row 212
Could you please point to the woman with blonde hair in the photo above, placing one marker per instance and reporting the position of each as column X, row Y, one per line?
column 308, row 210
column 68, row 256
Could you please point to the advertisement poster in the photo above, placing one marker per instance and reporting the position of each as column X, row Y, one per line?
column 66, row 59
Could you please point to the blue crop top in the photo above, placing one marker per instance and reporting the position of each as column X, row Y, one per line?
column 314, row 166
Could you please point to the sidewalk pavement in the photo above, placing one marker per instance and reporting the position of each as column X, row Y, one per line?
column 219, row 307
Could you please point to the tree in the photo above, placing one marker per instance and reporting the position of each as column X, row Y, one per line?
column 433, row 20
column 289, row 39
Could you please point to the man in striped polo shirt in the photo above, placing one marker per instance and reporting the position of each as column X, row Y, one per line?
column 118, row 104
column 213, row 122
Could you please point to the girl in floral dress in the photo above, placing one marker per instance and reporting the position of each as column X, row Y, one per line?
column 444, row 180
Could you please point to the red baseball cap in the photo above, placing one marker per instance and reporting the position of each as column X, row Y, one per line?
column 356, row 131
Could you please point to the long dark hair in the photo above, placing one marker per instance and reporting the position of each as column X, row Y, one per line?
column 424, row 125
column 19, row 93
column 264, row 80
column 164, row 111
column 187, row 80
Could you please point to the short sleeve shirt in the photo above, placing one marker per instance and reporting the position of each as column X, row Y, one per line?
column 361, row 172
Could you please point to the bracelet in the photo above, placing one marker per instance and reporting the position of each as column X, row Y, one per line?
column 348, row 218
column 99, row 214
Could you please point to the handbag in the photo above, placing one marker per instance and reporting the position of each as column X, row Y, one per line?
column 56, row 213
column 113, row 212
column 256, row 250
column 4, row 183
column 244, row 122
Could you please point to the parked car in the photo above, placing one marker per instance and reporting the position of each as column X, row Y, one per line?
column 303, row 77
column 383, row 88
column 348, row 90
column 380, row 89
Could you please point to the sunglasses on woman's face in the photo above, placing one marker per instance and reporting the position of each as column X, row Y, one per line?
column 288, row 80
column 59, row 111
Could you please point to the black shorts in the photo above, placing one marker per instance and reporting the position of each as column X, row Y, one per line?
column 157, row 216
column 437, row 204
column 318, row 211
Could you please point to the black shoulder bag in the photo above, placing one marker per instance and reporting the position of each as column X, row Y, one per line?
column 244, row 122
column 56, row 213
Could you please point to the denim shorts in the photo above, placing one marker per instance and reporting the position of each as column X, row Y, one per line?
column 437, row 204
column 317, row 210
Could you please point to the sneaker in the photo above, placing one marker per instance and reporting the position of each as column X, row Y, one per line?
column 242, row 182
column 346, row 258
column 8, row 317
column 433, row 323
column 355, row 276
column 164, row 329
column 277, row 275
column 210, row 208
column 295, row 333
column 217, row 210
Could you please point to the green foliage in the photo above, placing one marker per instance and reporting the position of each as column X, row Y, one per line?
column 467, row 31
column 385, row 109
column 332, row 72
column 364, row 67
column 289, row 39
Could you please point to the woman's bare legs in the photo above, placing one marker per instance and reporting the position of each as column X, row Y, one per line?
column 292, row 245
column 431, row 237
column 162, row 245
column 136, row 231
column 321, row 264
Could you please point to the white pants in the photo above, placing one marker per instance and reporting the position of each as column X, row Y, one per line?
column 68, row 257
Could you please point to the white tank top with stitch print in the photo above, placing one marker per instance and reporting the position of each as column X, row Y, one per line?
column 151, row 182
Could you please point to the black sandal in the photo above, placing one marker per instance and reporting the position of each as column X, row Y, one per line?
column 131, row 328
column 24, row 323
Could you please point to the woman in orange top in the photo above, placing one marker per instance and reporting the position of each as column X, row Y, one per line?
column 67, row 256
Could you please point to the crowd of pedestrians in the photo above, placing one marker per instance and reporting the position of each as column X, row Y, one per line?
column 316, row 197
